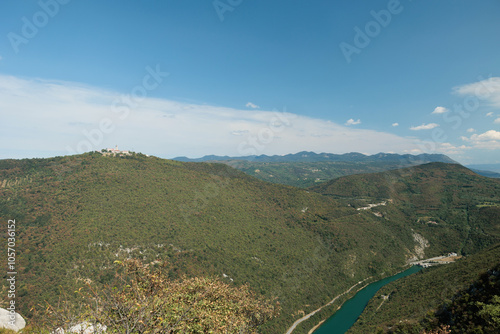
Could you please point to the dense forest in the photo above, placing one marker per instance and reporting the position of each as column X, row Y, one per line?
column 306, row 169
column 77, row 215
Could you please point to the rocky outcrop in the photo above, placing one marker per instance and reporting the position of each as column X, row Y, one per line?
column 83, row 328
column 11, row 320
column 418, row 252
column 422, row 244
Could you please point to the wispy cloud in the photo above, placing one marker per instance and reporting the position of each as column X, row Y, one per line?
column 395, row 124
column 440, row 110
column 47, row 118
column 251, row 105
column 487, row 90
column 470, row 130
column 497, row 121
column 353, row 122
column 424, row 127
column 490, row 114
column 487, row 140
column 450, row 149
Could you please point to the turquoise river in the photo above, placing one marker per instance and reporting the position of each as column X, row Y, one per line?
column 344, row 318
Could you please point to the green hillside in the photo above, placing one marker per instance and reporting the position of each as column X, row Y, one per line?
column 434, row 296
column 76, row 215
column 448, row 204
column 305, row 169
column 306, row 174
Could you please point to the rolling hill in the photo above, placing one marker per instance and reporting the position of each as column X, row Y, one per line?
column 305, row 169
column 442, row 201
column 77, row 214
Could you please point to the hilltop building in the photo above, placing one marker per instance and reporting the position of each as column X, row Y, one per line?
column 114, row 151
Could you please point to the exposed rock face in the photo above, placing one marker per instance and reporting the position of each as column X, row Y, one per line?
column 12, row 320
column 422, row 244
column 83, row 328
column 418, row 252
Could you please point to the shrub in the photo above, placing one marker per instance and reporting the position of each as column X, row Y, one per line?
column 143, row 300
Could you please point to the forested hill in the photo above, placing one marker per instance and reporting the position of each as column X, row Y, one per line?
column 448, row 199
column 305, row 169
column 75, row 215
column 431, row 180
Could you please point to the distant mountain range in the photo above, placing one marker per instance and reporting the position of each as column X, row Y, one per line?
column 489, row 167
column 487, row 173
column 305, row 169
column 306, row 156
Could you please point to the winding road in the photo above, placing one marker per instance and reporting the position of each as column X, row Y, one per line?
column 307, row 316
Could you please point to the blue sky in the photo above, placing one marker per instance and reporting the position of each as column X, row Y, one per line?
column 250, row 77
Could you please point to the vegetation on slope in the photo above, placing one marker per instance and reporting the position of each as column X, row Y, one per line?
column 458, row 295
column 306, row 174
column 476, row 309
column 448, row 204
column 141, row 299
column 76, row 215
column 305, row 169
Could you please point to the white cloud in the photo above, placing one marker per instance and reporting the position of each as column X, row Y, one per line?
column 47, row 118
column 395, row 124
column 497, row 121
column 471, row 130
column 450, row 149
column 424, row 127
column 439, row 110
column 353, row 122
column 490, row 114
column 488, row 135
column 488, row 90
column 251, row 105
column 487, row 140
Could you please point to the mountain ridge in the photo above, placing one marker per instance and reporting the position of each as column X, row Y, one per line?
column 305, row 169
column 318, row 157
column 485, row 167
